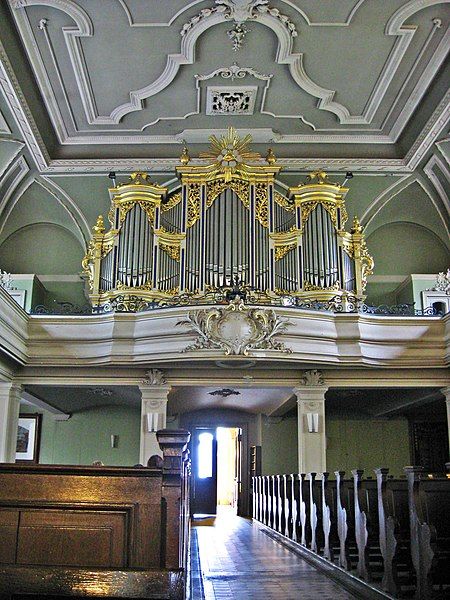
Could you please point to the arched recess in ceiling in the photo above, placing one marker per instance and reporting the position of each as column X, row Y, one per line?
column 41, row 248
column 405, row 248
column 413, row 199
column 37, row 199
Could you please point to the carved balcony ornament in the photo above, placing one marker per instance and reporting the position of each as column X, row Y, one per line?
column 236, row 329
column 154, row 377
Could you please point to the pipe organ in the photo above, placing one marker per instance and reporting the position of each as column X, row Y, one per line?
column 229, row 225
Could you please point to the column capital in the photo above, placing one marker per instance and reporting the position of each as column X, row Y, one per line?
column 446, row 392
column 10, row 387
column 311, row 385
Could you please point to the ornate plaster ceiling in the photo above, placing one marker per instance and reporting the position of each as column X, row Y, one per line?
column 345, row 83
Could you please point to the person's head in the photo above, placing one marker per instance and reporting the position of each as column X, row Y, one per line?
column 155, row 462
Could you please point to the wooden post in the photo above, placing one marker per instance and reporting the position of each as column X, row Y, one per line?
column 361, row 532
column 294, row 510
column 313, row 511
column 287, row 512
column 342, row 526
column 421, row 550
column 280, row 503
column 173, row 444
column 326, row 517
column 388, row 526
column 302, row 503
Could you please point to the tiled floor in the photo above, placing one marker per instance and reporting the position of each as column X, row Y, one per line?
column 237, row 561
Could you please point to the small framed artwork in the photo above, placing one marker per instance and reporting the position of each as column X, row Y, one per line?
column 28, row 438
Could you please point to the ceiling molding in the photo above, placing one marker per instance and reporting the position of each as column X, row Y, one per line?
column 167, row 165
column 15, row 190
column 17, row 170
column 384, row 198
column 21, row 112
column 428, row 169
column 422, row 84
column 429, row 133
column 4, row 128
column 17, row 151
column 441, row 210
column 284, row 56
column 165, row 24
column 66, row 202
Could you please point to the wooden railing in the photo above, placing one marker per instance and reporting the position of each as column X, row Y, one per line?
column 391, row 533
column 97, row 531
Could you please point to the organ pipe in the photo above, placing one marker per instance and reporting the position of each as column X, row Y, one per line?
column 226, row 226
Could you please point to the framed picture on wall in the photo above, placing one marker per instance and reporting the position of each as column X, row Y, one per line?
column 28, row 438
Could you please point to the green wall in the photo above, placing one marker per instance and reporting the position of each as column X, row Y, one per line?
column 279, row 446
column 86, row 437
column 367, row 444
column 351, row 444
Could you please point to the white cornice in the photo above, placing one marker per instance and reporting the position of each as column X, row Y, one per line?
column 429, row 133
column 21, row 112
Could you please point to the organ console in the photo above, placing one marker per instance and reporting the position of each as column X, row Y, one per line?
column 229, row 223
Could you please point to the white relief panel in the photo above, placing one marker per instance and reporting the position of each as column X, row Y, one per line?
column 231, row 100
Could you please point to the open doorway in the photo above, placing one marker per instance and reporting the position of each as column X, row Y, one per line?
column 217, row 470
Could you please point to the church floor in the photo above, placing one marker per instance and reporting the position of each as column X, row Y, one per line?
column 233, row 560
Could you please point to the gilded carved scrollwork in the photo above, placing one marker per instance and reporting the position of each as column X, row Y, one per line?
column 193, row 208
column 215, row 188
column 261, row 204
column 367, row 264
column 172, row 202
column 284, row 202
column 309, row 287
column 281, row 251
column 172, row 250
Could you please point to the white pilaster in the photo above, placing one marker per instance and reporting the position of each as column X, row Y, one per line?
column 9, row 415
column 446, row 392
column 311, row 415
column 154, row 392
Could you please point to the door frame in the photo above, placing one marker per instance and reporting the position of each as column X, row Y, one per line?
column 216, row 418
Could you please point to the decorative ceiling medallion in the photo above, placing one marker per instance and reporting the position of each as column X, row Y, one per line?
column 231, row 100
column 225, row 392
column 236, row 329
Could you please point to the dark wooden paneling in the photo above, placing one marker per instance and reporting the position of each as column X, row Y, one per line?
column 95, row 490
column 9, row 520
column 83, row 538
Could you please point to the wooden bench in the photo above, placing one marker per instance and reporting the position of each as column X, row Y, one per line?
column 112, row 531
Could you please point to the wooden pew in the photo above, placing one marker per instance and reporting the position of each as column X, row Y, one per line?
column 94, row 524
column 429, row 512
column 394, row 534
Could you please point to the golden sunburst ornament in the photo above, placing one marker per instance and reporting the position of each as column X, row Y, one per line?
column 230, row 151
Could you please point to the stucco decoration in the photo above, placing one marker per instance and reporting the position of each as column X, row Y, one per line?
column 154, row 377
column 241, row 11
column 236, row 329
column 442, row 283
column 313, row 377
